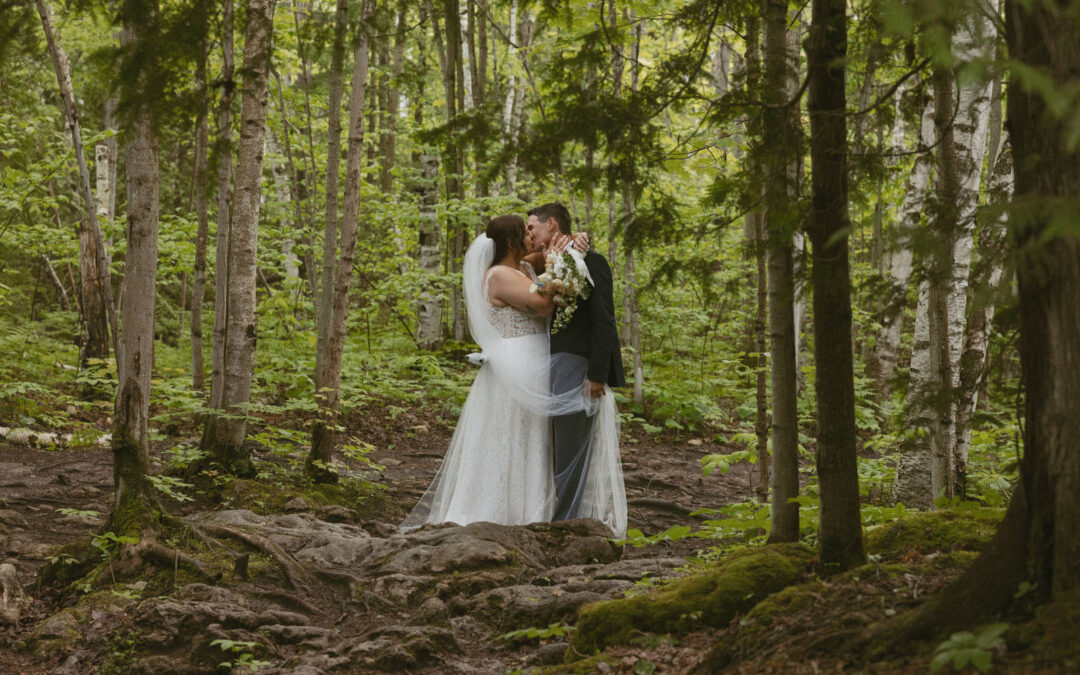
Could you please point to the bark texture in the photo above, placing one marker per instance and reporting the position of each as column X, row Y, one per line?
column 240, row 327
column 781, row 142
column 224, row 200
column 429, row 313
column 840, row 530
column 202, row 215
column 130, row 440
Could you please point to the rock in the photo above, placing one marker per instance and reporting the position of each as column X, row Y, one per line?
column 397, row 648
column 589, row 550
column 378, row 529
column 160, row 664
column 281, row 633
column 333, row 513
column 12, row 519
column 61, row 626
column 527, row 605
column 551, row 654
column 399, row 588
column 295, row 505
column 12, row 599
column 433, row 610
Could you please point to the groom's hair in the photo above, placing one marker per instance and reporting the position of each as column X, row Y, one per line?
column 553, row 210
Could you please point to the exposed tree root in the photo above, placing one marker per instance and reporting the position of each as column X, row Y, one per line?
column 151, row 549
column 292, row 570
column 287, row 600
column 662, row 505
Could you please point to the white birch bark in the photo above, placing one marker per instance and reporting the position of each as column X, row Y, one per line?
column 988, row 281
column 899, row 260
column 241, row 328
column 429, row 312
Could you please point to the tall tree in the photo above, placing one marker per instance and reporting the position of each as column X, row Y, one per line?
column 840, row 530
column 225, row 434
column 224, row 203
column 202, row 134
column 322, row 438
column 333, row 162
column 988, row 281
column 780, row 141
column 99, row 314
column 130, row 439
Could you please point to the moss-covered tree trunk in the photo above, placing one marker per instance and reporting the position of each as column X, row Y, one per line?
column 202, row 213
column 130, row 441
column 840, row 530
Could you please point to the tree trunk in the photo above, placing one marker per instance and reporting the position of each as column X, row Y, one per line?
column 202, row 214
column 453, row 79
column 899, row 258
column 780, row 141
column 289, row 194
column 840, row 530
column 311, row 174
column 99, row 313
column 241, row 330
column 988, row 281
column 429, row 325
column 630, row 298
column 130, row 438
column 388, row 137
column 333, row 162
column 224, row 199
column 317, row 465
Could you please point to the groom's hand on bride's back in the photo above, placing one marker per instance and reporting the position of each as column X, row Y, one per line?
column 595, row 389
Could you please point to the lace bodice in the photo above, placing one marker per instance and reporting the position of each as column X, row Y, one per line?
column 511, row 321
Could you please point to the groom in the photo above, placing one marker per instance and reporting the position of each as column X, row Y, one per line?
column 591, row 333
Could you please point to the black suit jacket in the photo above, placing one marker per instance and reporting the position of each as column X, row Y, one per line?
column 591, row 331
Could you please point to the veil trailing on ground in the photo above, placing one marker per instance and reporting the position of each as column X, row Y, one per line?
column 521, row 372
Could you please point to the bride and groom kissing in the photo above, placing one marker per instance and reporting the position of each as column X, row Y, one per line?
column 537, row 439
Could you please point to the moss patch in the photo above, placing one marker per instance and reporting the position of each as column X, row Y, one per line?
column 709, row 598
column 270, row 497
column 968, row 529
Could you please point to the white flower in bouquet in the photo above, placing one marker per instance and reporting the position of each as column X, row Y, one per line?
column 566, row 280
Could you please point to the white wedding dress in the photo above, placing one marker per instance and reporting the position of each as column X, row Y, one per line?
column 498, row 467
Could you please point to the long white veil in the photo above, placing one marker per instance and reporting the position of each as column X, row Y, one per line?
column 544, row 384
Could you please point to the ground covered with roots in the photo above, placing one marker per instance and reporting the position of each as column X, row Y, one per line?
column 273, row 575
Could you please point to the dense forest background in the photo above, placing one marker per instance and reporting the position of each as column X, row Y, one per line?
column 227, row 231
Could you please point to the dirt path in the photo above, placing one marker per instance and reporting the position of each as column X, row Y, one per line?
column 664, row 484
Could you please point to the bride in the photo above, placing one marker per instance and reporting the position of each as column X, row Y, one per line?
column 498, row 467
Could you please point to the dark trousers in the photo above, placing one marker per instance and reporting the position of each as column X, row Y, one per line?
column 570, row 436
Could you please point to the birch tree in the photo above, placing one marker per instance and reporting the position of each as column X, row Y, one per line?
column 988, row 281
column 899, row 256
column 429, row 312
column 322, row 438
column 226, row 434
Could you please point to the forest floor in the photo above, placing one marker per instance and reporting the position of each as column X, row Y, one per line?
column 302, row 579
column 664, row 485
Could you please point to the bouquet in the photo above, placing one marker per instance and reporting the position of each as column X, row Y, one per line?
column 566, row 279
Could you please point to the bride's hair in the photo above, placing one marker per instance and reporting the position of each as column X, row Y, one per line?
column 508, row 233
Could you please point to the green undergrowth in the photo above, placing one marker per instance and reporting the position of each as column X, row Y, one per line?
column 711, row 597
